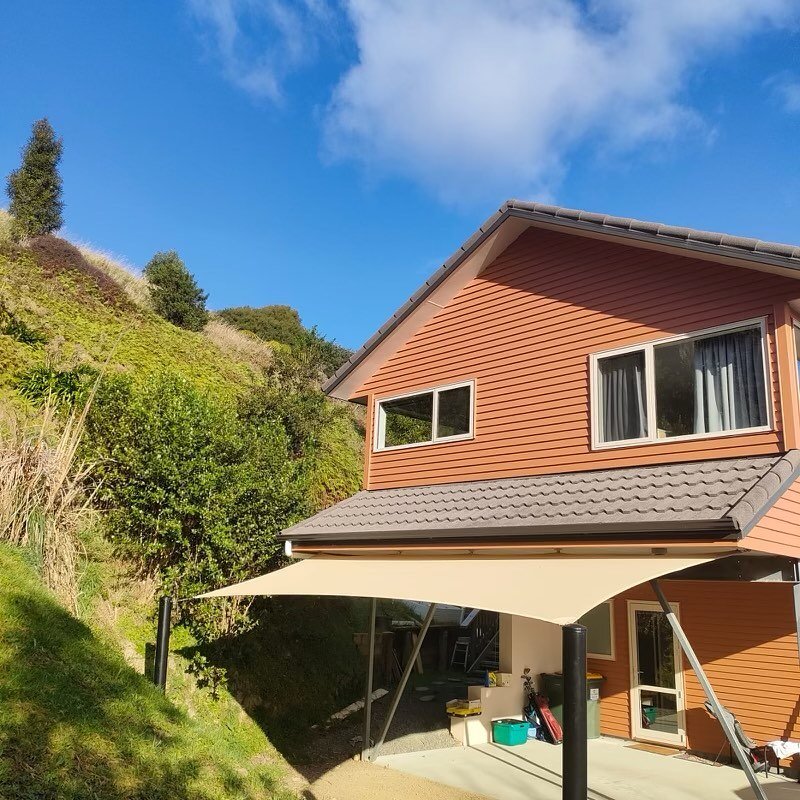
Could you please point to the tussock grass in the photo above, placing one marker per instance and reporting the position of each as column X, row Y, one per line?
column 5, row 226
column 123, row 274
column 43, row 502
column 242, row 345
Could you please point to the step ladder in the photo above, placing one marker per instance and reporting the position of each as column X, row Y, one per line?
column 460, row 652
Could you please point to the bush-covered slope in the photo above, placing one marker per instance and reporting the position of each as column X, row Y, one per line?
column 77, row 722
column 85, row 316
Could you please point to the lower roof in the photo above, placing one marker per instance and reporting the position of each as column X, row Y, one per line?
column 723, row 497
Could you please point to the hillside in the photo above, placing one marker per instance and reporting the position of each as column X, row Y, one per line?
column 89, row 309
column 79, row 722
column 78, row 718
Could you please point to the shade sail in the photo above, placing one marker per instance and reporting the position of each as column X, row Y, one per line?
column 557, row 589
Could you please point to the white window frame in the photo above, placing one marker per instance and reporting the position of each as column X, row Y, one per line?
column 612, row 634
column 648, row 348
column 379, row 417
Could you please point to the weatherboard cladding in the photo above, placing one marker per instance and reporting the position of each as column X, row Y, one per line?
column 706, row 241
column 525, row 329
column 731, row 491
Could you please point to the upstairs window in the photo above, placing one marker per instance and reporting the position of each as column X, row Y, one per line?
column 438, row 415
column 701, row 384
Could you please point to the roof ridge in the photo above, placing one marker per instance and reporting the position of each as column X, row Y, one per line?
column 758, row 499
column 721, row 244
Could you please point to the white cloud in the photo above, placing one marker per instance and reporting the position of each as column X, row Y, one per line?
column 786, row 88
column 477, row 98
column 260, row 42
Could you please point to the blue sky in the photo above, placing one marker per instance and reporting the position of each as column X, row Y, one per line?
column 330, row 155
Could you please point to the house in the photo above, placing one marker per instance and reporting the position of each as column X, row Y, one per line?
column 572, row 405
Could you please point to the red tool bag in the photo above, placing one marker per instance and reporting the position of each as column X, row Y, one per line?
column 549, row 722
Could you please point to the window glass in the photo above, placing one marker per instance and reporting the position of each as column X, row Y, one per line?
column 622, row 397
column 598, row 631
column 702, row 385
column 408, row 420
column 453, row 417
column 675, row 398
column 712, row 383
column 729, row 382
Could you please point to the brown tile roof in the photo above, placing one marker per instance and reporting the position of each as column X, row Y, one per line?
column 722, row 496
column 720, row 244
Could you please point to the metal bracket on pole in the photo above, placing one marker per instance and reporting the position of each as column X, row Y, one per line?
column 711, row 696
column 403, row 681
column 365, row 744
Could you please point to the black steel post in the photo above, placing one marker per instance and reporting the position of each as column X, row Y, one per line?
column 162, row 643
column 574, row 766
column 366, row 741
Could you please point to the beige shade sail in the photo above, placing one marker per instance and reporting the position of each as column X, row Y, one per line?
column 557, row 589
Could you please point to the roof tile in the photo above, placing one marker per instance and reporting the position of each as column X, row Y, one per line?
column 729, row 491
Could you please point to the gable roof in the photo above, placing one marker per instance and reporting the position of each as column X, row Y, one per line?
column 724, row 497
column 720, row 246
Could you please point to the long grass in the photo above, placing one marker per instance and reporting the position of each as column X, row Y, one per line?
column 43, row 501
column 133, row 283
column 242, row 345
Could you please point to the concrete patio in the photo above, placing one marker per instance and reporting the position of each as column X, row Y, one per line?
column 616, row 772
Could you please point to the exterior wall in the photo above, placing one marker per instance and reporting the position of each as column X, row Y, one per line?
column 778, row 531
column 524, row 643
column 745, row 637
column 524, row 330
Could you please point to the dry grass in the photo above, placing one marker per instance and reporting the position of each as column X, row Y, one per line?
column 240, row 344
column 43, row 503
column 124, row 275
column 5, row 225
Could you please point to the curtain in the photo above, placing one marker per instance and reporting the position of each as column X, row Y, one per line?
column 729, row 382
column 624, row 408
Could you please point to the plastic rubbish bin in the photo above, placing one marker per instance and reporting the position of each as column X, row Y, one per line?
column 553, row 689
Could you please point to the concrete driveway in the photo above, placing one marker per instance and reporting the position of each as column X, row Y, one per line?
column 616, row 772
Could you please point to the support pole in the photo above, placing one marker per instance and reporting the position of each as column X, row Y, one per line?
column 162, row 643
column 796, row 600
column 365, row 744
column 574, row 756
column 710, row 694
column 403, row 681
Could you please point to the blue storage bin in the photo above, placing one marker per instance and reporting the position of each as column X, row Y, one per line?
column 510, row 731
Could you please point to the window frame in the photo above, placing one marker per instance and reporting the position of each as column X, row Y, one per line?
column 648, row 348
column 611, row 633
column 379, row 418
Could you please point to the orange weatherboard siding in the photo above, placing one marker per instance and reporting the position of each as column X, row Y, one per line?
column 778, row 531
column 744, row 635
column 524, row 330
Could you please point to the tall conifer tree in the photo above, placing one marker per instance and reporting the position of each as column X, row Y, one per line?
column 35, row 188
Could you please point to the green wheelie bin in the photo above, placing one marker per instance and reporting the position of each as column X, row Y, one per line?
column 553, row 689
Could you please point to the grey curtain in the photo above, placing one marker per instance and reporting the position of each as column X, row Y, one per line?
column 729, row 382
column 624, row 406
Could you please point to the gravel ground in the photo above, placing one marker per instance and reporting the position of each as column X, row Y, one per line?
column 417, row 725
column 354, row 780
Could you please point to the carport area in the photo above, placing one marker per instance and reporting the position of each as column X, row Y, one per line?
column 617, row 771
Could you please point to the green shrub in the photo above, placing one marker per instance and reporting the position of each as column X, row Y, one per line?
column 323, row 435
column 11, row 325
column 17, row 329
column 282, row 324
column 67, row 387
column 35, row 188
column 192, row 490
column 175, row 293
